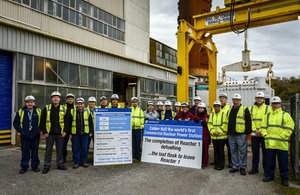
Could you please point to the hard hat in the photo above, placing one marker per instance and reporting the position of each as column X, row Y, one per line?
column 70, row 95
column 237, row 96
column 177, row 104
column 202, row 105
column 114, row 97
column 150, row 103
column 223, row 95
column 275, row 99
column 92, row 99
column 160, row 103
column 168, row 103
column 185, row 104
column 55, row 93
column 103, row 98
column 260, row 95
column 29, row 98
column 80, row 100
column 197, row 98
column 218, row 103
column 134, row 99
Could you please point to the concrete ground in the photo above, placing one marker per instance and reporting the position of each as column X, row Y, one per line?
column 138, row 178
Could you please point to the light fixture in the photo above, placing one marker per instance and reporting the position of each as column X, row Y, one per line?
column 207, row 34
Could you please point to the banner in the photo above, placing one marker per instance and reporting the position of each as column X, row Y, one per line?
column 173, row 143
column 112, row 136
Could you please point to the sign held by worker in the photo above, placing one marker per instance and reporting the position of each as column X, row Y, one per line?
column 173, row 143
column 112, row 137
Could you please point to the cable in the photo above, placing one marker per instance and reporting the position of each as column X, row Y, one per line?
column 231, row 19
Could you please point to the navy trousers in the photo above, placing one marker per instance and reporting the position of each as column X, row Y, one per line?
column 256, row 143
column 136, row 143
column 283, row 160
column 30, row 150
column 80, row 148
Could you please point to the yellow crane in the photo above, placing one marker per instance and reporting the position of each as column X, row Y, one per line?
column 237, row 16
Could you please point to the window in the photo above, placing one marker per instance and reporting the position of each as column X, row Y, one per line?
column 42, row 5
column 72, row 16
column 66, row 2
column 39, row 94
column 99, row 82
column 92, row 77
column 25, row 67
column 83, row 75
column 65, row 14
column 58, row 10
column 51, row 71
column 50, row 7
column 34, row 4
column 23, row 91
column 38, row 69
column 26, row 2
column 63, row 70
column 107, row 79
column 72, row 3
column 73, row 75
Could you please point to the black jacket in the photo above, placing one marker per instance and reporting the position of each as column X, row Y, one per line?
column 69, row 117
column 54, row 119
column 232, row 121
column 25, row 132
column 80, row 124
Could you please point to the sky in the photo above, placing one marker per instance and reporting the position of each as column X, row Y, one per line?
column 279, row 43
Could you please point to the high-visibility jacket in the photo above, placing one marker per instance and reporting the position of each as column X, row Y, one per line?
column 226, row 108
column 86, row 115
column 277, row 126
column 217, row 122
column 62, row 112
column 240, row 119
column 137, row 118
column 21, row 115
column 92, row 113
column 163, row 113
column 257, row 115
column 110, row 105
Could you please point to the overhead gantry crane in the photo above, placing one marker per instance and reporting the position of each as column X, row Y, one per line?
column 238, row 16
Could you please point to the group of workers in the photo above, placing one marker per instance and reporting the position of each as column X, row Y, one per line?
column 270, row 129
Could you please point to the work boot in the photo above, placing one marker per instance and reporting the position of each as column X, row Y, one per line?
column 75, row 166
column 285, row 182
column 36, row 169
column 23, row 170
column 62, row 167
column 267, row 179
column 45, row 171
column 253, row 171
column 233, row 170
column 242, row 171
column 212, row 163
column 85, row 165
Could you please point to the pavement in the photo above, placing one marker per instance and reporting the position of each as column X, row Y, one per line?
column 137, row 178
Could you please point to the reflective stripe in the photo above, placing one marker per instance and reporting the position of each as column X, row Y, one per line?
column 267, row 107
column 240, row 117
column 210, row 122
column 222, row 130
column 225, row 123
column 240, row 123
column 257, row 119
column 276, row 139
column 288, row 128
column 211, row 129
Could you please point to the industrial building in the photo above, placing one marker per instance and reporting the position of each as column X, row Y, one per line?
column 89, row 48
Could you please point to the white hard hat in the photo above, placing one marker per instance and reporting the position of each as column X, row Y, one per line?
column 217, row 103
column 134, row 99
column 177, row 104
column 168, row 103
column 197, row 98
column 92, row 99
column 237, row 96
column 80, row 100
column 260, row 95
column 29, row 98
column 223, row 95
column 103, row 98
column 114, row 97
column 70, row 95
column 275, row 99
column 202, row 105
column 150, row 103
column 55, row 93
column 160, row 103
column 185, row 104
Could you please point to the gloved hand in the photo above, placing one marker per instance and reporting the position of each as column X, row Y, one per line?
column 186, row 120
column 196, row 120
column 179, row 119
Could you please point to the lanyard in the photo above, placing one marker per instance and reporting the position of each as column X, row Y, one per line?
column 30, row 118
